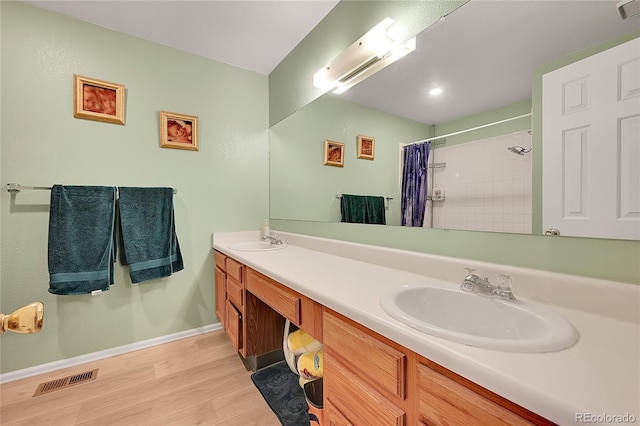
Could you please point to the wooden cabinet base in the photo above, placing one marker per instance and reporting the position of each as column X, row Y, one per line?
column 368, row 378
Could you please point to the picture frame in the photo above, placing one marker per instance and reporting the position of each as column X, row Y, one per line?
column 333, row 153
column 98, row 100
column 178, row 131
column 366, row 147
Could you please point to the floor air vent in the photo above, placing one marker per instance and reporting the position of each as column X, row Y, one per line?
column 65, row 382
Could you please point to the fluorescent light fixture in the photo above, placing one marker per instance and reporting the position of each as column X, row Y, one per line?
column 435, row 91
column 628, row 8
column 368, row 55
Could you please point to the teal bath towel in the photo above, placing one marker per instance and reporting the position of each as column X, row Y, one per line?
column 375, row 210
column 362, row 209
column 81, row 248
column 149, row 241
column 353, row 208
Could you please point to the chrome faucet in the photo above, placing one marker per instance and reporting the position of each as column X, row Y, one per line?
column 274, row 241
column 475, row 284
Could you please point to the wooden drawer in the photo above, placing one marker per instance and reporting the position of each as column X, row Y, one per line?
column 234, row 269
column 220, row 260
column 371, row 358
column 235, row 292
column 443, row 401
column 355, row 401
column 283, row 300
column 234, row 326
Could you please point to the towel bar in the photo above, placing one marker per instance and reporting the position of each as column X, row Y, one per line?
column 16, row 187
column 386, row 204
column 338, row 196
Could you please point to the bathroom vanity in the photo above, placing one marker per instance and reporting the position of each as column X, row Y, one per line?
column 379, row 371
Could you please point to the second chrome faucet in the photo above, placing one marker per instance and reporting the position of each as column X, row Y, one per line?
column 475, row 284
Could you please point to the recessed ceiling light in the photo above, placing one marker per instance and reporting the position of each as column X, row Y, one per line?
column 436, row 91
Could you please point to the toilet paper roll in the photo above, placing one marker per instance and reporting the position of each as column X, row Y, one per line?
column 310, row 365
column 300, row 342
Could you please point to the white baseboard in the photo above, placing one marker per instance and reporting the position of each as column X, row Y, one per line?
column 94, row 356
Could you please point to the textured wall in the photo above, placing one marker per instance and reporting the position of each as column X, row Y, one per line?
column 222, row 187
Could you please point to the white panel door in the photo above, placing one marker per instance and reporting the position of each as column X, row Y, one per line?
column 591, row 145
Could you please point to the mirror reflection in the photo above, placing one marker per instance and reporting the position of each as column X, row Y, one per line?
column 482, row 57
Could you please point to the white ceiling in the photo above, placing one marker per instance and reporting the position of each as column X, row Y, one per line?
column 254, row 35
column 482, row 54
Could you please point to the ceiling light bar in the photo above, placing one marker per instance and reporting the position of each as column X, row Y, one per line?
column 628, row 8
column 369, row 54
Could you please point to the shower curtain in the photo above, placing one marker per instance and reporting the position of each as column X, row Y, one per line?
column 414, row 183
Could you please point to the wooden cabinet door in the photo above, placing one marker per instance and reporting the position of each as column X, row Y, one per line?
column 355, row 399
column 221, row 296
column 383, row 365
column 334, row 417
column 443, row 401
column 234, row 326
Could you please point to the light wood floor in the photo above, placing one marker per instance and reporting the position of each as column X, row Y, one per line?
column 194, row 381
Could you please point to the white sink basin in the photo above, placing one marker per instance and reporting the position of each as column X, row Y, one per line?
column 257, row 246
column 484, row 322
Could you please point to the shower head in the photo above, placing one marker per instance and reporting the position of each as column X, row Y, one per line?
column 519, row 150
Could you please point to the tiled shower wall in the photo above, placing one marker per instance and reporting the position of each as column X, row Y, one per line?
column 486, row 187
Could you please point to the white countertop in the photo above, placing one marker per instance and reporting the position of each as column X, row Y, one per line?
column 598, row 376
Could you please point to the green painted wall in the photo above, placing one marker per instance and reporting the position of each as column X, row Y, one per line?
column 222, row 187
column 301, row 186
column 290, row 83
column 614, row 260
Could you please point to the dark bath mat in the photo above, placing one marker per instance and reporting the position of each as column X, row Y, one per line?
column 279, row 387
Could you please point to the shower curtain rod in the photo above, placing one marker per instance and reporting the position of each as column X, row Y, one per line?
column 16, row 187
column 469, row 130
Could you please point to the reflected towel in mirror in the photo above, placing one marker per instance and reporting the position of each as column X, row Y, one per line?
column 362, row 209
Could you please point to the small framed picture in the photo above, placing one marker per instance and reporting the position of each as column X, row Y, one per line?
column 333, row 153
column 178, row 131
column 366, row 147
column 98, row 100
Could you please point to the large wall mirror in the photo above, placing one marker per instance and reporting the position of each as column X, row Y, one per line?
column 483, row 56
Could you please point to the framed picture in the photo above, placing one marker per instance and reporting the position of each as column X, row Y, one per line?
column 366, row 147
column 333, row 154
column 98, row 100
column 178, row 131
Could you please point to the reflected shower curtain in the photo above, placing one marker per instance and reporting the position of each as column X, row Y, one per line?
column 414, row 183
